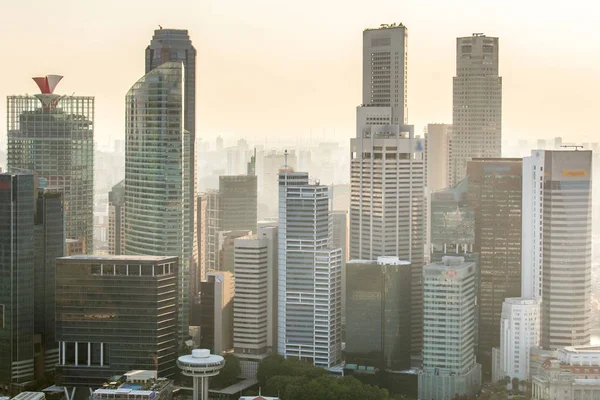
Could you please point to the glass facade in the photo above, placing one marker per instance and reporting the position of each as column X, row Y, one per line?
column 16, row 278
column 238, row 202
column 158, row 164
column 377, row 311
column 115, row 314
column 495, row 195
column 49, row 245
column 53, row 136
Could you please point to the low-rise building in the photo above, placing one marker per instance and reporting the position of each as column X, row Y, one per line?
column 135, row 385
column 573, row 375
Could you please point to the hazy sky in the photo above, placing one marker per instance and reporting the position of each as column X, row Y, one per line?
column 273, row 68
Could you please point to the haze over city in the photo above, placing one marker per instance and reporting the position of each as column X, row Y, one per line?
column 281, row 70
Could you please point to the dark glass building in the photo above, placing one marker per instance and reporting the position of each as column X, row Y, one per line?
column 495, row 195
column 116, row 219
column 378, row 313
column 49, row 245
column 115, row 314
column 31, row 237
column 17, row 252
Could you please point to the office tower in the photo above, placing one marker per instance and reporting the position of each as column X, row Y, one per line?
column 216, row 311
column 31, row 237
column 17, row 254
column 53, row 136
column 227, row 248
column 158, row 181
column 238, row 202
column 341, row 197
column 339, row 229
column 385, row 70
column 309, row 273
column 437, row 142
column 495, row 197
column 449, row 366
column 213, row 224
column 271, row 163
column 519, row 332
column 49, row 245
column 387, row 167
column 115, row 313
column 557, row 245
column 174, row 45
column 452, row 222
column 477, row 104
column 198, row 270
column 74, row 247
column 255, row 303
column 378, row 313
column 116, row 219
column 386, row 209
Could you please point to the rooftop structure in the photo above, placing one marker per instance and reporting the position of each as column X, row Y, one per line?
column 200, row 365
column 135, row 385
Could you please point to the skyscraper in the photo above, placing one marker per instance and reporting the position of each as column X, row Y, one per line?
column 385, row 67
column 31, row 237
column 255, row 302
column 113, row 314
column 449, row 366
column 378, row 309
column 174, row 45
column 216, row 311
column 437, row 144
column 17, row 253
column 477, row 104
column 557, row 246
column 309, row 273
column 238, row 202
column 387, row 167
column 116, row 219
column 53, row 136
column 495, row 196
column 158, row 163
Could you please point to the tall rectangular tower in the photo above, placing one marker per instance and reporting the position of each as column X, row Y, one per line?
column 309, row 273
column 477, row 104
column 158, row 174
column 495, row 196
column 387, row 166
column 238, row 202
column 53, row 136
column 449, row 366
column 116, row 219
column 385, row 69
column 557, row 243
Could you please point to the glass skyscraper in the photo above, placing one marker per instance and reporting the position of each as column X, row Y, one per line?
column 31, row 237
column 53, row 136
column 158, row 168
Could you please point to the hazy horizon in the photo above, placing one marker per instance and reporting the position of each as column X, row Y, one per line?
column 273, row 70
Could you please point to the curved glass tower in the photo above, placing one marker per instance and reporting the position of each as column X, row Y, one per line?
column 158, row 165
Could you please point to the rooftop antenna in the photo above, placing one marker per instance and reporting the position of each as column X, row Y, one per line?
column 159, row 26
column 285, row 156
column 572, row 147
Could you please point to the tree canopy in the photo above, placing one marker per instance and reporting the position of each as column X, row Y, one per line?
column 294, row 380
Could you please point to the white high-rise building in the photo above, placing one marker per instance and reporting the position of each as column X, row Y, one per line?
column 387, row 167
column 519, row 332
column 477, row 104
column 557, row 246
column 449, row 365
column 254, row 305
column 309, row 273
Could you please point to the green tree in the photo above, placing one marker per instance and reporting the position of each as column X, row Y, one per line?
column 229, row 373
column 269, row 367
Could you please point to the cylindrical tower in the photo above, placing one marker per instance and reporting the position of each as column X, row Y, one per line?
column 200, row 365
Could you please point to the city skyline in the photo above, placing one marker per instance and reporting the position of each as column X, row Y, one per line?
column 313, row 70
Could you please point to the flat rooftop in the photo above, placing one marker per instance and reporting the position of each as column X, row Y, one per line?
column 109, row 258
